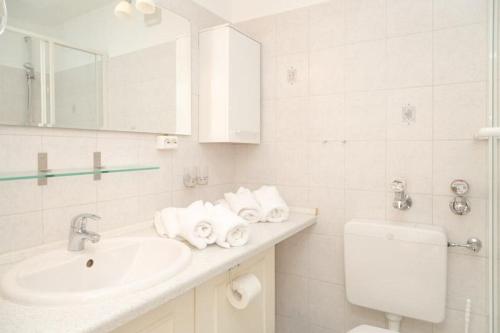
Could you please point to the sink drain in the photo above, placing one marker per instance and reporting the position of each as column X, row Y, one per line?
column 90, row 263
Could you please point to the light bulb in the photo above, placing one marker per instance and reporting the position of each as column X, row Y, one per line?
column 123, row 9
column 145, row 6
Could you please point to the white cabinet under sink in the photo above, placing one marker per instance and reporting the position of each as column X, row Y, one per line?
column 205, row 309
column 177, row 316
column 229, row 104
column 214, row 313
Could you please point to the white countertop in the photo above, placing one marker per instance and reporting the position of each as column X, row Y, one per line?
column 106, row 315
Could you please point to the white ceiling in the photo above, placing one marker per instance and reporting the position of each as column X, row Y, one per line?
column 221, row 8
column 242, row 10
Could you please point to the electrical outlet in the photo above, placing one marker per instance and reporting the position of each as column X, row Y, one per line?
column 164, row 142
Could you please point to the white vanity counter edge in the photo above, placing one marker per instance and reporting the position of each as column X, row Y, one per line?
column 106, row 315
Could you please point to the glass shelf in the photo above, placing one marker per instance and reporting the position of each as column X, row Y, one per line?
column 73, row 172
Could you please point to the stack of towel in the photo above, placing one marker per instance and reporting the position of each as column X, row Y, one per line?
column 202, row 224
column 226, row 222
column 262, row 205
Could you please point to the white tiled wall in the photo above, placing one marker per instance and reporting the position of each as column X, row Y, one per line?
column 335, row 139
column 31, row 215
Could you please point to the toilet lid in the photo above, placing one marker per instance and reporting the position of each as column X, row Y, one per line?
column 369, row 329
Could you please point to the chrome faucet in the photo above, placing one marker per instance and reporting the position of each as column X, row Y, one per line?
column 402, row 200
column 78, row 232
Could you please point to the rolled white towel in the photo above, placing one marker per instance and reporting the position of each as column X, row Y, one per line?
column 244, row 204
column 274, row 208
column 231, row 229
column 166, row 222
column 192, row 224
column 196, row 226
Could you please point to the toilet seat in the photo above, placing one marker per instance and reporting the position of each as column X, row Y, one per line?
column 369, row 329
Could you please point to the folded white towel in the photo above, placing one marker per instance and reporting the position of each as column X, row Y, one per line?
column 196, row 226
column 273, row 207
column 231, row 229
column 192, row 224
column 166, row 222
column 244, row 204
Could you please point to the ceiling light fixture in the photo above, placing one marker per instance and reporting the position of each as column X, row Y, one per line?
column 145, row 6
column 124, row 9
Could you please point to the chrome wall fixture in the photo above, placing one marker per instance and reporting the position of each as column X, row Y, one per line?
column 202, row 178
column 402, row 200
column 42, row 168
column 97, row 164
column 460, row 205
column 190, row 176
column 195, row 176
column 474, row 244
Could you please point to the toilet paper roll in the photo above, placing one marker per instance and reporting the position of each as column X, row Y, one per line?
column 243, row 290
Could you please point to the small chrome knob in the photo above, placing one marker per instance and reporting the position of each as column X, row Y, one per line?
column 460, row 205
column 398, row 185
column 474, row 244
column 402, row 200
column 460, row 187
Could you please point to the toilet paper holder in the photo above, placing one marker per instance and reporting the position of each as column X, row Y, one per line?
column 230, row 276
column 243, row 289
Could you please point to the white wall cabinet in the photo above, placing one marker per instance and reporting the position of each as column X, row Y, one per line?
column 214, row 313
column 207, row 310
column 229, row 104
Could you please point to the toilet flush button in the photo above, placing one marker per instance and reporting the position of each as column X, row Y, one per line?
column 389, row 236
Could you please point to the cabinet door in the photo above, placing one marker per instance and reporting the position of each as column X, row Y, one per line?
column 214, row 313
column 177, row 316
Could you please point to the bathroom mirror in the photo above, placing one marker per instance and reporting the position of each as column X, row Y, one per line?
column 96, row 64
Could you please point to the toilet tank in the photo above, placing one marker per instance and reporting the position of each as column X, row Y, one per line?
column 397, row 268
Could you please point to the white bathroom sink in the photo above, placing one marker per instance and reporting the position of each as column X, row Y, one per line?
column 110, row 268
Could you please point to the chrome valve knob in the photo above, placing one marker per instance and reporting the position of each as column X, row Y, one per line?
column 460, row 205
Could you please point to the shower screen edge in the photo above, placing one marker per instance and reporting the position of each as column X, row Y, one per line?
column 493, row 199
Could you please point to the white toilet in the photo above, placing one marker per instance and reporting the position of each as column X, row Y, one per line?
column 397, row 268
